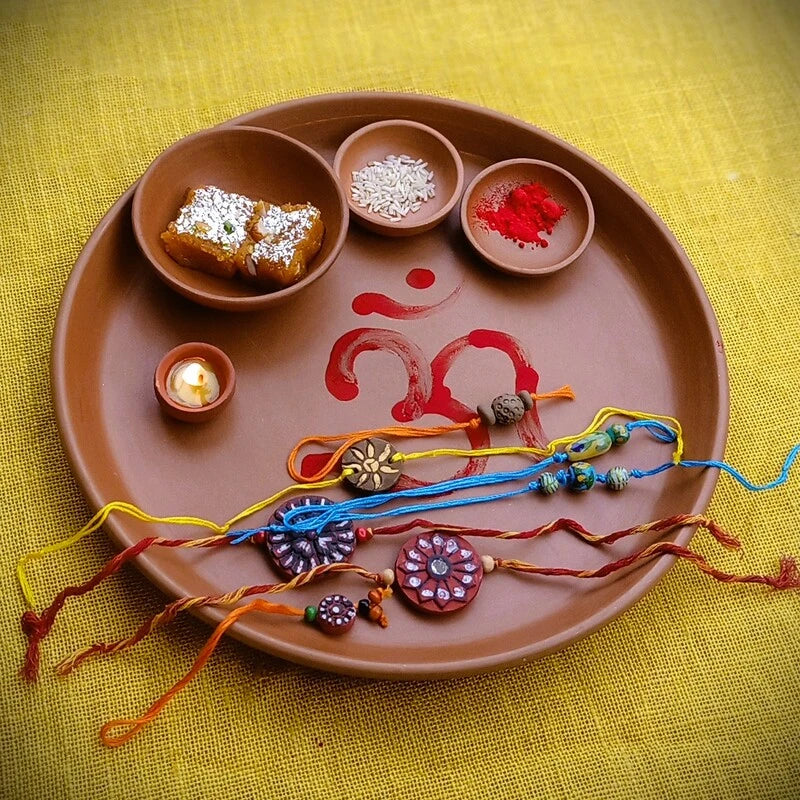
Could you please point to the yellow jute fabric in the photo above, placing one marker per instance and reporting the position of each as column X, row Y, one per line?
column 695, row 692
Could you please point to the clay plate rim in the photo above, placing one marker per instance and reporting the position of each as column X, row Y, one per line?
column 648, row 575
column 413, row 223
column 257, row 300
column 467, row 224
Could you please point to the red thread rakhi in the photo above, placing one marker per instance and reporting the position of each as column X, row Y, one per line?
column 446, row 583
column 427, row 551
column 37, row 627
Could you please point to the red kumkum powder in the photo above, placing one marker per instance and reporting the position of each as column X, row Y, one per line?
column 522, row 214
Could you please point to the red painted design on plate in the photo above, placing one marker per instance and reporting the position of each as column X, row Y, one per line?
column 313, row 463
column 377, row 303
column 342, row 382
column 525, row 377
column 427, row 391
column 420, row 278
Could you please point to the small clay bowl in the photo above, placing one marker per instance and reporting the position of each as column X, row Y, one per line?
column 402, row 137
column 571, row 233
column 261, row 164
column 223, row 369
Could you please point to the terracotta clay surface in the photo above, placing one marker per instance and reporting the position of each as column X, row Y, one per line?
column 615, row 325
column 571, row 233
column 402, row 137
column 260, row 164
column 223, row 369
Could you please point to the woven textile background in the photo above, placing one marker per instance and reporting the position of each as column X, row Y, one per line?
column 695, row 692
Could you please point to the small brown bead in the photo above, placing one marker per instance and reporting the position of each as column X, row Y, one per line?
column 375, row 613
column 486, row 414
column 375, row 596
column 364, row 534
column 508, row 409
column 387, row 576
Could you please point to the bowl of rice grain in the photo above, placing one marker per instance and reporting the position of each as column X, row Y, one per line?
column 400, row 177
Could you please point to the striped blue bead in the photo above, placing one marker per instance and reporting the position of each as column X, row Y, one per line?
column 547, row 483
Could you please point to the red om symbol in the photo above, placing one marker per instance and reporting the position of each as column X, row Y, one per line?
column 427, row 391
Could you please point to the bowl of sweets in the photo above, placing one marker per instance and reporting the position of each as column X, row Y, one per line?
column 239, row 218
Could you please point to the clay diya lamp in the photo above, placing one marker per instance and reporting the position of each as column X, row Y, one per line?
column 194, row 381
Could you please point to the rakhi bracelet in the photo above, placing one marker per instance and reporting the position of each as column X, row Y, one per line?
column 336, row 542
column 218, row 530
column 38, row 626
column 304, row 515
column 386, row 462
column 296, row 529
column 442, row 555
column 506, row 409
column 331, row 608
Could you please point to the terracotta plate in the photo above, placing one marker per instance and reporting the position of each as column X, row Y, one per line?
column 393, row 321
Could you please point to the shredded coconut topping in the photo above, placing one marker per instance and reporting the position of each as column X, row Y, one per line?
column 217, row 216
column 283, row 231
column 394, row 187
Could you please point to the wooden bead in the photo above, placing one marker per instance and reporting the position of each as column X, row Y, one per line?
column 387, row 576
column 488, row 563
column 375, row 596
column 486, row 414
column 335, row 614
column 258, row 538
column 508, row 409
column 526, row 398
column 375, row 613
column 364, row 535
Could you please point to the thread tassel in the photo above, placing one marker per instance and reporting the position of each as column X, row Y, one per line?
column 131, row 727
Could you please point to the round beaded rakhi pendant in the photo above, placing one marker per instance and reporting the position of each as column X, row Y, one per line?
column 438, row 573
column 371, row 466
column 335, row 614
column 294, row 552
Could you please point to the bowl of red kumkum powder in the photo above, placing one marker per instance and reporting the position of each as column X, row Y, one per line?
column 527, row 217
